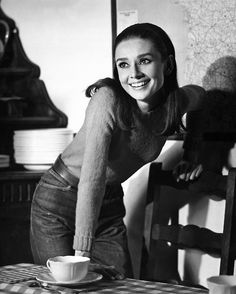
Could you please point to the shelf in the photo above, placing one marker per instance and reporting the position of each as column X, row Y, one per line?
column 14, row 71
column 17, row 175
column 25, row 122
column 7, row 99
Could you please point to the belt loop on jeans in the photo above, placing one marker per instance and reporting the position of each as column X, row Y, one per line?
column 61, row 169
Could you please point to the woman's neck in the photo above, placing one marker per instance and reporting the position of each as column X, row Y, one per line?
column 157, row 100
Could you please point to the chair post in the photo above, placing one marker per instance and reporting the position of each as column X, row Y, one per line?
column 148, row 263
column 227, row 260
column 162, row 257
column 153, row 191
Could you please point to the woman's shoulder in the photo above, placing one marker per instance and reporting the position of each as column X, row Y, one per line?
column 105, row 96
column 192, row 97
column 103, row 104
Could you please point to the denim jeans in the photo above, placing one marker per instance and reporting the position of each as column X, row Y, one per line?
column 53, row 224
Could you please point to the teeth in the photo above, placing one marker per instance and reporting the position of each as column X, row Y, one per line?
column 139, row 84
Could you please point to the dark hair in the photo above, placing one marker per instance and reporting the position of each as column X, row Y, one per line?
column 163, row 44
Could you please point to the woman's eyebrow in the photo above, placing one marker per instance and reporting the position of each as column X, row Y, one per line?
column 145, row 54
column 121, row 59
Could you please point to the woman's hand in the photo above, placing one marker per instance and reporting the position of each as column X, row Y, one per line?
column 82, row 253
column 187, row 171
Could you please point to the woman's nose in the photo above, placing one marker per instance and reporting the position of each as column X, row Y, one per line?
column 135, row 71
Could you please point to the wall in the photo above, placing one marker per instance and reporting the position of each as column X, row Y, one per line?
column 70, row 41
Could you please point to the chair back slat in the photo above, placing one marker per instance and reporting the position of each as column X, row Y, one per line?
column 189, row 236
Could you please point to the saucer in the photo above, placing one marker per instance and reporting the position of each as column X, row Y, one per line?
column 47, row 278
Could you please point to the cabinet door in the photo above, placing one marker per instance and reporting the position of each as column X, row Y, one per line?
column 15, row 203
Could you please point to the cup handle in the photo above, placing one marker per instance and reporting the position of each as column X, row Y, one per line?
column 48, row 264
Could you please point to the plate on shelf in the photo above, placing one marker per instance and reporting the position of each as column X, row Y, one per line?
column 4, row 165
column 4, row 160
column 37, row 166
column 48, row 279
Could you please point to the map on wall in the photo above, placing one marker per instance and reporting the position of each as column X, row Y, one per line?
column 211, row 34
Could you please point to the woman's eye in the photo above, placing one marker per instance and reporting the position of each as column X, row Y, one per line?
column 123, row 64
column 144, row 61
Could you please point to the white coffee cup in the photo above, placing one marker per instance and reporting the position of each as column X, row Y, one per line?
column 68, row 269
column 222, row 284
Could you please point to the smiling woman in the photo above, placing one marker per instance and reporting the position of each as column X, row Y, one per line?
column 78, row 205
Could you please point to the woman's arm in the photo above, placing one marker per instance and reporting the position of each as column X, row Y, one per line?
column 190, row 168
column 99, row 124
column 192, row 98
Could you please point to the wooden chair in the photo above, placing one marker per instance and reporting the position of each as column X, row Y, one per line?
column 175, row 236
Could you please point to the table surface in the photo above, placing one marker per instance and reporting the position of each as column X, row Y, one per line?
column 18, row 278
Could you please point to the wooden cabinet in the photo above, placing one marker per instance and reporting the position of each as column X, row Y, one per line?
column 16, row 191
column 24, row 100
column 24, row 104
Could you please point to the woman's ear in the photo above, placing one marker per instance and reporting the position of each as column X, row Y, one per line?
column 169, row 65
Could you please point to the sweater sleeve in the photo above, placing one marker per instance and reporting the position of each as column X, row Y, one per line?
column 99, row 126
column 194, row 97
column 194, row 103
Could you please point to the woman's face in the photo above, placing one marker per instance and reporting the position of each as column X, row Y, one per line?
column 140, row 70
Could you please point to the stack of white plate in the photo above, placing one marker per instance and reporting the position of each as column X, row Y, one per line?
column 4, row 160
column 38, row 149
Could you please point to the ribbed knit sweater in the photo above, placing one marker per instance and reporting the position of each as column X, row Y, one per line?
column 103, row 153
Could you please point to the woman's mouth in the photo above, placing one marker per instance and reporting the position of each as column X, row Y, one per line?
column 139, row 85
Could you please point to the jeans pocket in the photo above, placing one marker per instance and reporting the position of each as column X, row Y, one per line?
column 54, row 194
